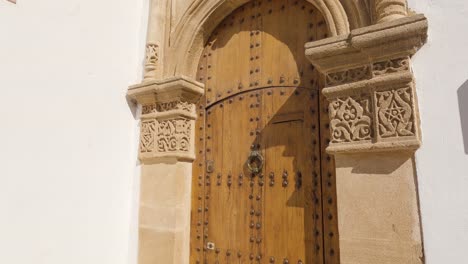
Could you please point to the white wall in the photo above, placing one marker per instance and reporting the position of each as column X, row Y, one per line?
column 441, row 69
column 68, row 181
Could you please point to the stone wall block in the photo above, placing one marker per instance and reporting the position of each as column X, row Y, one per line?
column 156, row 246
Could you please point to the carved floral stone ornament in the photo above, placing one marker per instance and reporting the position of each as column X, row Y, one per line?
column 350, row 119
column 370, row 86
column 168, row 115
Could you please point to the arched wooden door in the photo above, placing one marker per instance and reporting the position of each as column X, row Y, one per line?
column 263, row 187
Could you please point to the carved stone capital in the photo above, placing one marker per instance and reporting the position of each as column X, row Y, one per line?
column 167, row 119
column 370, row 86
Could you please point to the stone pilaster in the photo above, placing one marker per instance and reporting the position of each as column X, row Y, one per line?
column 166, row 151
column 374, row 123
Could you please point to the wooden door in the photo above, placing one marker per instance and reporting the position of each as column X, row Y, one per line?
column 263, row 187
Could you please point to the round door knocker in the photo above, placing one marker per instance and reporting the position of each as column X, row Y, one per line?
column 255, row 162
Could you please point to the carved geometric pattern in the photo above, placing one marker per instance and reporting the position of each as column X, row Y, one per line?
column 390, row 66
column 395, row 113
column 148, row 129
column 351, row 119
column 349, row 76
column 151, row 60
column 163, row 107
column 174, row 135
column 152, row 56
column 148, row 109
column 176, row 105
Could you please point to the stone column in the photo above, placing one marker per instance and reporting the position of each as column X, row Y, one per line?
column 374, row 123
column 166, row 153
column 388, row 10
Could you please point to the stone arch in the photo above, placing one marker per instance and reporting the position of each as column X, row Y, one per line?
column 189, row 36
column 358, row 13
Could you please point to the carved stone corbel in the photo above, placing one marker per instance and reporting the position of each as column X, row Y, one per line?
column 167, row 118
column 370, row 86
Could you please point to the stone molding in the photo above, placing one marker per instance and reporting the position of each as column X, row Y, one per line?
column 167, row 119
column 370, row 86
column 395, row 39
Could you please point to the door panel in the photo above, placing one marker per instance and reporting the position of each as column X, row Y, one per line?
column 274, row 214
column 291, row 214
column 262, row 107
column 228, row 186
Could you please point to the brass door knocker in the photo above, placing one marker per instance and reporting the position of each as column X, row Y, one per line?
column 255, row 162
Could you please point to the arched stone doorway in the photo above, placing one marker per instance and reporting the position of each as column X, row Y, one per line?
column 373, row 115
column 263, row 186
